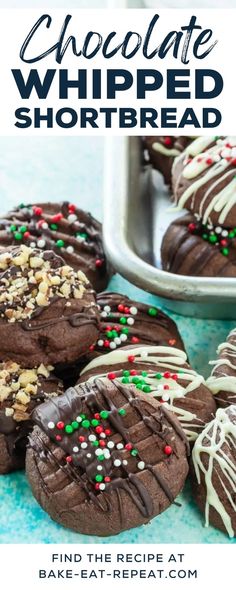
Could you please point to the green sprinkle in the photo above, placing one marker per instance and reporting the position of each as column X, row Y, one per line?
column 75, row 424
column 146, row 388
column 101, row 457
column 213, row 239
column 95, row 443
column 86, row 423
column 225, row 251
column 126, row 373
column 23, row 229
column 109, row 334
column 17, row 236
column 139, row 385
column 60, row 243
column 152, row 311
column 69, row 429
column 232, row 234
column 122, row 412
column 82, row 416
column 54, row 226
column 123, row 321
column 125, row 331
column 158, row 376
column 135, row 380
column 82, row 235
column 13, row 228
column 144, row 373
column 204, row 236
column 125, row 380
column 22, row 206
column 180, row 371
column 99, row 478
column 114, row 334
column 104, row 414
column 134, row 453
column 94, row 422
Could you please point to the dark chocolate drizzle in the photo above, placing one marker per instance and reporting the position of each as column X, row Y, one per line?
column 82, row 470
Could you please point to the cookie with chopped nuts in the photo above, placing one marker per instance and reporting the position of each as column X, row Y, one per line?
column 104, row 458
column 161, row 372
column 21, row 390
column 48, row 312
column 64, row 228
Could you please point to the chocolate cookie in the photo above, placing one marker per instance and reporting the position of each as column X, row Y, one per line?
column 214, row 471
column 191, row 248
column 21, row 390
column 204, row 180
column 104, row 458
column 222, row 381
column 163, row 373
column 47, row 310
column 163, row 150
column 62, row 227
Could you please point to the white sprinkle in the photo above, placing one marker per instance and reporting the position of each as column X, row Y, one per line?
column 89, row 455
column 130, row 321
column 165, row 397
column 133, row 310
column 41, row 243
column 98, row 452
column 224, row 233
column 103, row 314
column 110, row 444
column 32, row 244
column 75, row 449
column 44, row 225
column 123, row 337
column 103, row 435
column 141, row 465
column 84, row 445
column 106, row 453
column 218, row 230
column 70, row 249
column 117, row 340
column 72, row 217
column 99, row 468
column 92, row 437
column 125, row 462
column 78, row 419
column 117, row 463
column 112, row 345
column 107, row 308
column 144, row 354
column 100, row 342
column 51, row 425
column 102, row 486
column 120, row 446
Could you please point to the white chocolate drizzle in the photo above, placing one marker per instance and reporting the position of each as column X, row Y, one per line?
column 212, row 441
column 224, row 382
column 158, row 356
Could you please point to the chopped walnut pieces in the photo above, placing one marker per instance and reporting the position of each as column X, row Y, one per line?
column 29, row 280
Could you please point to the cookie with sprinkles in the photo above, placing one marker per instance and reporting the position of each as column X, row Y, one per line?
column 222, row 381
column 104, row 458
column 204, row 180
column 163, row 373
column 191, row 248
column 214, row 471
column 21, row 391
column 163, row 150
column 64, row 228
column 48, row 312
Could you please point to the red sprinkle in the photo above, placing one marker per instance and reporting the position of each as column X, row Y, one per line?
column 126, row 310
column 107, row 479
column 128, row 446
column 106, row 343
column 58, row 437
column 107, row 431
column 69, row 459
column 133, row 372
column 167, row 141
column 60, row 425
column 97, row 416
column 166, row 387
column 41, row 222
column 81, row 438
column 174, row 376
column 135, row 340
column 172, row 342
column 97, row 486
column 98, row 263
column 91, row 348
column 71, row 208
column 191, row 226
column 111, row 376
column 131, row 358
column 167, row 450
column 209, row 161
column 37, row 210
column 120, row 308
column 57, row 217
column 223, row 243
column 166, row 375
column 233, row 162
column 26, row 234
column 102, row 443
column 99, row 429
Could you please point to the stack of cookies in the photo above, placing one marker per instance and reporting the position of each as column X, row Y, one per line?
column 203, row 181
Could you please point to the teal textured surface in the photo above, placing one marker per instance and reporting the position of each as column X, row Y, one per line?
column 72, row 168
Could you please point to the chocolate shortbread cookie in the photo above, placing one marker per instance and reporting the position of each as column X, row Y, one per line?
column 191, row 248
column 204, row 180
column 70, row 232
column 214, row 471
column 162, row 151
column 222, row 381
column 163, row 373
column 48, row 312
column 21, row 390
column 104, row 458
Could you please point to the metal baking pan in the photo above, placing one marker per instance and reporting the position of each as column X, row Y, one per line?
column 136, row 215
